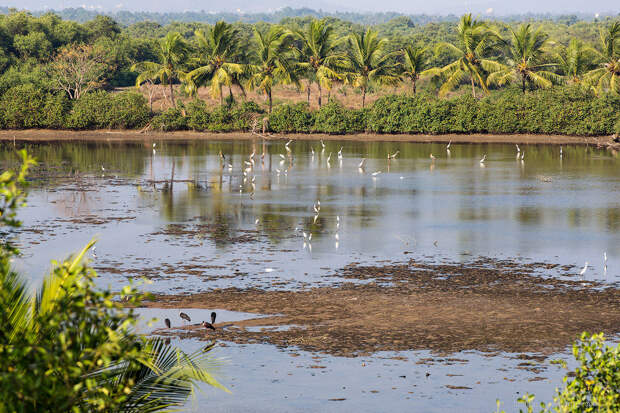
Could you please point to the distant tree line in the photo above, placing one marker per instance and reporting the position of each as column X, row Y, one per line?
column 55, row 56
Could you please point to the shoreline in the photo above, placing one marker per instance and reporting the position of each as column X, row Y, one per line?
column 49, row 135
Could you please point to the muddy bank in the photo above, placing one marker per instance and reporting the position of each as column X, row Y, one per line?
column 42, row 135
column 485, row 305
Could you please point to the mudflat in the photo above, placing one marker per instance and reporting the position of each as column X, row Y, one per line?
column 46, row 135
column 486, row 305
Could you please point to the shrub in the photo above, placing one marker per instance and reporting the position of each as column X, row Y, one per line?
column 22, row 107
column 198, row 116
column 129, row 110
column 170, row 120
column 57, row 108
column 91, row 111
column 336, row 119
column 594, row 386
column 101, row 109
column 291, row 118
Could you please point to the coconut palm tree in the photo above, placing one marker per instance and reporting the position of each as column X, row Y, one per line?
column 369, row 63
column 607, row 75
column 414, row 65
column 318, row 55
column 274, row 63
column 218, row 47
column 476, row 43
column 525, row 60
column 173, row 51
column 575, row 60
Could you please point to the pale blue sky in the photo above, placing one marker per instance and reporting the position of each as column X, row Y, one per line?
column 497, row 7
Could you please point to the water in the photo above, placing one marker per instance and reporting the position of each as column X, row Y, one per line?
column 202, row 232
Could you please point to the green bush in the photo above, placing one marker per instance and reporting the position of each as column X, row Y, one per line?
column 594, row 386
column 336, row 119
column 22, row 107
column 198, row 116
column 291, row 118
column 617, row 128
column 129, row 110
column 100, row 109
column 91, row 111
column 170, row 120
column 57, row 108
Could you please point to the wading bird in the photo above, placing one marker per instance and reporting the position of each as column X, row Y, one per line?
column 185, row 317
column 322, row 144
column 210, row 325
column 376, row 173
column 362, row 163
column 583, row 270
column 518, row 149
column 448, row 147
column 167, row 322
column 394, row 155
column 484, row 157
column 432, row 157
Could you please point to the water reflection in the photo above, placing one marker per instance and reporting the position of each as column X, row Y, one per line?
column 548, row 207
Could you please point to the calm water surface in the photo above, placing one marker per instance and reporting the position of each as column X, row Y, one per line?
column 215, row 227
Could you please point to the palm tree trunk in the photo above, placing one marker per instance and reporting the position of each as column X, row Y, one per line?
column 473, row 87
column 523, row 83
column 270, row 100
column 172, row 94
column 221, row 96
column 308, row 92
column 320, row 94
column 413, row 86
column 232, row 98
column 363, row 97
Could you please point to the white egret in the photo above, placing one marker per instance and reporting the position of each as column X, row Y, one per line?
column 448, row 147
column 522, row 155
column 269, row 269
column 315, row 218
column 340, row 153
column 329, row 157
column 583, row 270
column 518, row 149
column 256, row 222
column 310, row 237
column 337, row 237
column 362, row 163
column 277, row 171
column 605, row 258
column 312, row 149
column 560, row 151
column 376, row 173
column 432, row 157
column 322, row 144
column 288, row 143
column 102, row 168
column 282, row 156
column 230, row 167
column 394, row 155
column 484, row 157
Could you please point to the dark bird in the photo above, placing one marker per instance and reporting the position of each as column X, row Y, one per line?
column 185, row 317
column 210, row 325
column 167, row 321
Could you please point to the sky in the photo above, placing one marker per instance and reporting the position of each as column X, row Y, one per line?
column 496, row 7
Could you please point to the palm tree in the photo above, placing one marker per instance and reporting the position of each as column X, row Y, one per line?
column 607, row 75
column 172, row 52
column 575, row 60
column 218, row 46
column 368, row 63
column 525, row 60
column 318, row 55
column 477, row 41
column 274, row 63
column 415, row 61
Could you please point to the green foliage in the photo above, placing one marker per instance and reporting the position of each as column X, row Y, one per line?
column 594, row 386
column 100, row 109
column 26, row 106
column 72, row 347
column 170, row 120
column 335, row 118
column 291, row 118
